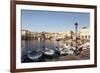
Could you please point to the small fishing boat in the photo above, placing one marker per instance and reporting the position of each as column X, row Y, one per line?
column 61, row 51
column 34, row 55
column 48, row 53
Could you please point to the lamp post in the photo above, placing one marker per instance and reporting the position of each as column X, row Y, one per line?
column 71, row 37
column 76, row 25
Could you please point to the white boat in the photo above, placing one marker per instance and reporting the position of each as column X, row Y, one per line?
column 60, row 49
column 48, row 52
column 66, row 46
column 34, row 55
column 70, row 52
column 63, row 52
column 69, row 49
column 85, row 46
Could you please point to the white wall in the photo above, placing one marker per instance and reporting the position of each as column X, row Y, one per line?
column 5, row 36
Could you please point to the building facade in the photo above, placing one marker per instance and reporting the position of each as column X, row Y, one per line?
column 84, row 33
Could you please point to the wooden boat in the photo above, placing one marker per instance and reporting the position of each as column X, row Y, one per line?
column 48, row 51
column 34, row 55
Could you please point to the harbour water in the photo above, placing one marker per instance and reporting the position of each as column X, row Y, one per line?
column 33, row 45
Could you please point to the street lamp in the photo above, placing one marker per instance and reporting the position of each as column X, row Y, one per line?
column 71, row 37
column 76, row 25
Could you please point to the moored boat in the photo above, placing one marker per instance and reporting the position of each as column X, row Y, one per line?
column 34, row 55
column 48, row 53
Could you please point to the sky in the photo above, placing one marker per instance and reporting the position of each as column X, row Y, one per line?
column 53, row 21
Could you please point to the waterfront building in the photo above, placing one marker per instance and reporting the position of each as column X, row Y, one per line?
column 25, row 34
column 84, row 33
column 48, row 35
